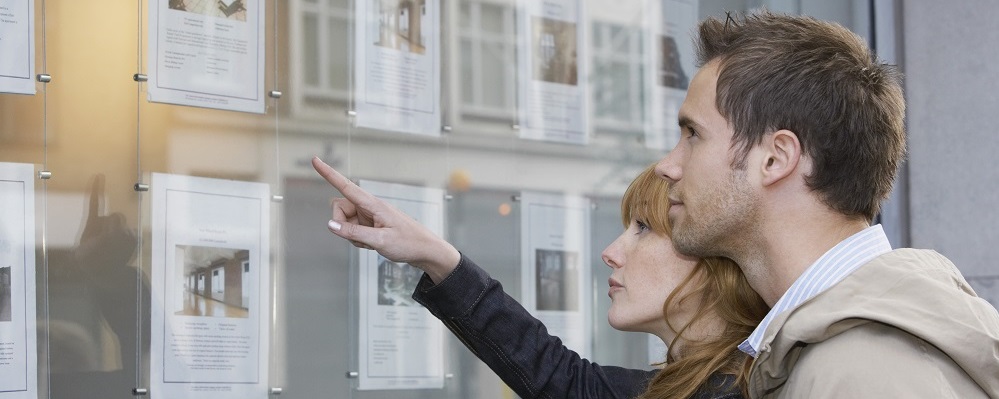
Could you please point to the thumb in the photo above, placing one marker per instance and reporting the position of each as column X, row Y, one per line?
column 355, row 233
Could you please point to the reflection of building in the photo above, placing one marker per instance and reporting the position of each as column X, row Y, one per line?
column 400, row 24
column 5, row 305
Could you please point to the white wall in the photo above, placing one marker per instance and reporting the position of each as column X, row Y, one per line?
column 952, row 76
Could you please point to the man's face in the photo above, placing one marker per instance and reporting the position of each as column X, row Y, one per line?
column 712, row 204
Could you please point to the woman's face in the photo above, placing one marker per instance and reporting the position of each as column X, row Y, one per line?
column 646, row 270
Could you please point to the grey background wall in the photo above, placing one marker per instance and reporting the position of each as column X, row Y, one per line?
column 951, row 61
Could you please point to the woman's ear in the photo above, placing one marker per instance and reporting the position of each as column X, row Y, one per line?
column 782, row 156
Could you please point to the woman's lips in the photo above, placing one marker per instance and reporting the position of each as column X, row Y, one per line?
column 614, row 286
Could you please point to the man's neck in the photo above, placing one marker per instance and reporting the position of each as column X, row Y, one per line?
column 788, row 246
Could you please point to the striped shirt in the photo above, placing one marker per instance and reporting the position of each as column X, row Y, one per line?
column 829, row 269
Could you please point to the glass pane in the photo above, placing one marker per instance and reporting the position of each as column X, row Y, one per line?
column 467, row 73
column 465, row 15
column 623, row 42
column 339, row 55
column 611, row 90
column 599, row 31
column 618, row 38
column 491, row 18
column 310, row 50
column 493, row 75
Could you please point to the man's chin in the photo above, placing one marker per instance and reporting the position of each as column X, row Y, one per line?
column 684, row 243
column 674, row 222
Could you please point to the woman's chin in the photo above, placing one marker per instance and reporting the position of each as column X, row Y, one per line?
column 621, row 325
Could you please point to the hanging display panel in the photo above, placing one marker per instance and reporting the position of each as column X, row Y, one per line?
column 552, row 74
column 210, row 288
column 397, row 65
column 17, row 46
column 18, row 338
column 207, row 54
column 555, row 236
column 401, row 345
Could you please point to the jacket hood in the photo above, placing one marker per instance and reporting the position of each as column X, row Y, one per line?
column 916, row 291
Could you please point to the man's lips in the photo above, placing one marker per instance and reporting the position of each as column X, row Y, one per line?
column 674, row 201
column 674, row 207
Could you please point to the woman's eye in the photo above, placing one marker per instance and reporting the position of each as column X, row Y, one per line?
column 642, row 227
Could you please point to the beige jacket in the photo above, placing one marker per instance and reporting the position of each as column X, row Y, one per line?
column 905, row 325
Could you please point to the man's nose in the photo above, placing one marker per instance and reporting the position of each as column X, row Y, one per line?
column 669, row 166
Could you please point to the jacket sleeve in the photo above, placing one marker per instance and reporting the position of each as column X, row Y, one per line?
column 517, row 346
column 876, row 361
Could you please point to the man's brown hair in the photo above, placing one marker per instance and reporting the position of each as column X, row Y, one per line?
column 822, row 82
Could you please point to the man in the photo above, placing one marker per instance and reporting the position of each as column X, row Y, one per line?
column 792, row 137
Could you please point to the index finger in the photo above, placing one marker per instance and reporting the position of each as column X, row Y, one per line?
column 346, row 187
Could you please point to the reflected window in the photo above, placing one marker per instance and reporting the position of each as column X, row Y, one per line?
column 320, row 55
column 487, row 42
column 618, row 79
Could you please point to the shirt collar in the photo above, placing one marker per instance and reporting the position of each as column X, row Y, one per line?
column 832, row 267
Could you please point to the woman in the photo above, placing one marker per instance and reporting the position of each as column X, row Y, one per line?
column 708, row 306
column 701, row 308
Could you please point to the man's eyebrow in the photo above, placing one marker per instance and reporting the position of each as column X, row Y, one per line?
column 685, row 121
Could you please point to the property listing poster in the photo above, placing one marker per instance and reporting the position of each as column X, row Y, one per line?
column 552, row 71
column 673, row 61
column 401, row 344
column 210, row 288
column 555, row 234
column 207, row 53
column 18, row 339
column 17, row 46
column 397, row 65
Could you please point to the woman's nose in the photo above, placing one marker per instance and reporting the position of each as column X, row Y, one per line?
column 610, row 255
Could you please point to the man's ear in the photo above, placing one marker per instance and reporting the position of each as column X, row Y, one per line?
column 781, row 156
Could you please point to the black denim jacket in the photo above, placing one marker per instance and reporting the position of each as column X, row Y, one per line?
column 517, row 346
